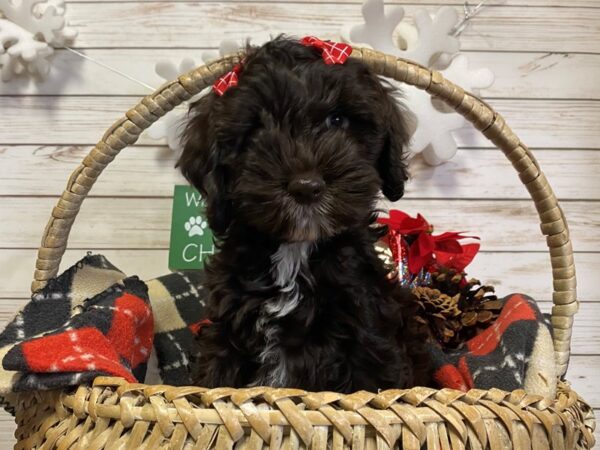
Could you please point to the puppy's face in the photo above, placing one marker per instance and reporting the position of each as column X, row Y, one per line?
column 299, row 149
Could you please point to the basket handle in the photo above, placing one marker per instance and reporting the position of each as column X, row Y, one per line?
column 127, row 130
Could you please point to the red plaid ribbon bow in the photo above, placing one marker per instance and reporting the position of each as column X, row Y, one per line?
column 228, row 80
column 332, row 53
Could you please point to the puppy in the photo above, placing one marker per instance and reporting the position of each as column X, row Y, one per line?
column 290, row 162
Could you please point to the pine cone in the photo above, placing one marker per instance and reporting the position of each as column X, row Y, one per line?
column 436, row 303
column 456, row 309
column 438, row 311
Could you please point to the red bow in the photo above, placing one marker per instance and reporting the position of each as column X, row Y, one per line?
column 228, row 80
column 428, row 250
column 332, row 52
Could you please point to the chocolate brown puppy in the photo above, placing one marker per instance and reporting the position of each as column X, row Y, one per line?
column 291, row 161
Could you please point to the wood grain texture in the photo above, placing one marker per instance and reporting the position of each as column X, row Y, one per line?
column 43, row 170
column 586, row 332
column 7, row 429
column 530, row 273
column 540, row 75
column 82, row 121
column 476, row 173
column 153, row 24
column 517, row 75
column 583, row 375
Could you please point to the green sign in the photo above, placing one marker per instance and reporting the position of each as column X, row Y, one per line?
column 191, row 238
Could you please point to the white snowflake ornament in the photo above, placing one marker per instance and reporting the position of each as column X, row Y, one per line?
column 20, row 53
column 472, row 80
column 429, row 42
column 28, row 30
column 421, row 43
column 171, row 126
column 433, row 135
column 226, row 47
column 431, row 36
column 378, row 29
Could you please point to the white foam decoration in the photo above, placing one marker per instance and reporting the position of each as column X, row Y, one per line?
column 472, row 80
column 433, row 134
column 170, row 127
column 430, row 42
column 387, row 31
column 378, row 28
column 20, row 53
column 28, row 31
column 226, row 47
column 168, row 70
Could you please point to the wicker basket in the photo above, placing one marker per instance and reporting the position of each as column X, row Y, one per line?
column 116, row 414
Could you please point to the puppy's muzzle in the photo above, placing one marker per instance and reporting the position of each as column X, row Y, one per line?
column 307, row 188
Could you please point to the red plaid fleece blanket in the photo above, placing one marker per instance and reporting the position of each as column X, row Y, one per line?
column 93, row 320
column 515, row 352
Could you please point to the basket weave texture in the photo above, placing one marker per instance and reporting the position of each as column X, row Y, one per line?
column 116, row 414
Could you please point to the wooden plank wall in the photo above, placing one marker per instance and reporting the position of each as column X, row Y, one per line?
column 546, row 57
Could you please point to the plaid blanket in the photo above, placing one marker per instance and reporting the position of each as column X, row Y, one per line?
column 515, row 352
column 94, row 320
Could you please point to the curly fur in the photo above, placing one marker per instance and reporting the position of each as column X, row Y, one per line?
column 298, row 296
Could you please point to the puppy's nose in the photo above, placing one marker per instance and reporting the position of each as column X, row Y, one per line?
column 307, row 187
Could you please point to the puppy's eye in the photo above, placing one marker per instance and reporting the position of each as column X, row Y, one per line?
column 337, row 121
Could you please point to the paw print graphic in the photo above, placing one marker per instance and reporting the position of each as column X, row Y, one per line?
column 195, row 226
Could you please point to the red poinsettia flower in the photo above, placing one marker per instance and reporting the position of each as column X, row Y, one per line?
column 428, row 250
column 448, row 252
column 402, row 223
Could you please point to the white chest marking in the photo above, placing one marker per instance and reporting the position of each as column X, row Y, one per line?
column 287, row 261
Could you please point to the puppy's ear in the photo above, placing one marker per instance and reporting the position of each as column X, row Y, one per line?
column 201, row 163
column 391, row 164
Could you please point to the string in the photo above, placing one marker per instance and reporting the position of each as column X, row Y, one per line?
column 112, row 69
column 469, row 13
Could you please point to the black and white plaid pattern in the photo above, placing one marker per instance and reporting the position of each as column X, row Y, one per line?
column 177, row 316
column 54, row 305
column 176, row 300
